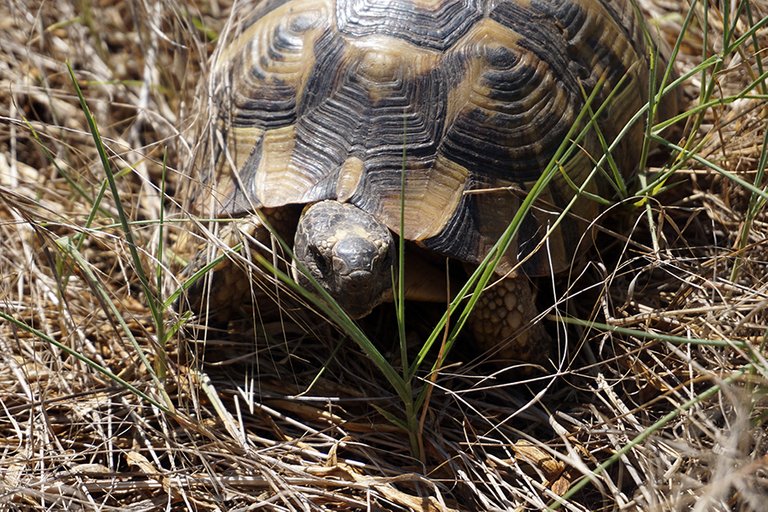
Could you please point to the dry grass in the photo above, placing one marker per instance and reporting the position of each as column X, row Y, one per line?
column 104, row 406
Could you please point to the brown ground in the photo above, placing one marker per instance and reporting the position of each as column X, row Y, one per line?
column 105, row 405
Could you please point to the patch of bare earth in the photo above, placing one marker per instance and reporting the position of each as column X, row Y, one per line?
column 105, row 404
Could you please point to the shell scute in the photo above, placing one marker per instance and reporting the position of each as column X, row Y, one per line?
column 433, row 24
column 470, row 99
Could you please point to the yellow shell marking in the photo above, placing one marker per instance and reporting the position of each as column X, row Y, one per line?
column 384, row 60
column 431, row 198
column 349, row 178
column 255, row 44
column 486, row 32
column 278, row 182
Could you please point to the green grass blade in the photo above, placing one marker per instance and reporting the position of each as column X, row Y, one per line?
column 80, row 357
column 152, row 300
column 482, row 275
column 70, row 250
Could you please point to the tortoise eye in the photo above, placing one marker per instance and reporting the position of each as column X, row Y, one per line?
column 319, row 259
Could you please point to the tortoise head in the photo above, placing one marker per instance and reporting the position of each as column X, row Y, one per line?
column 348, row 251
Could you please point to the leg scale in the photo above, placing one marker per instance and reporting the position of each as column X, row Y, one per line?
column 502, row 322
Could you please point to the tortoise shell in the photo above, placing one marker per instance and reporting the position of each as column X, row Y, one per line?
column 469, row 99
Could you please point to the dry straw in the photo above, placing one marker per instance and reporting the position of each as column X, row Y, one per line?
column 111, row 401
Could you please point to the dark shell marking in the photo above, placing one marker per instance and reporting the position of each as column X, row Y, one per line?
column 323, row 99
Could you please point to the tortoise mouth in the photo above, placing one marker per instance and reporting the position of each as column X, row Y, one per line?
column 359, row 290
column 359, row 297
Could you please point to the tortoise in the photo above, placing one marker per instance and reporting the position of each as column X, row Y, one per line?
column 329, row 116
